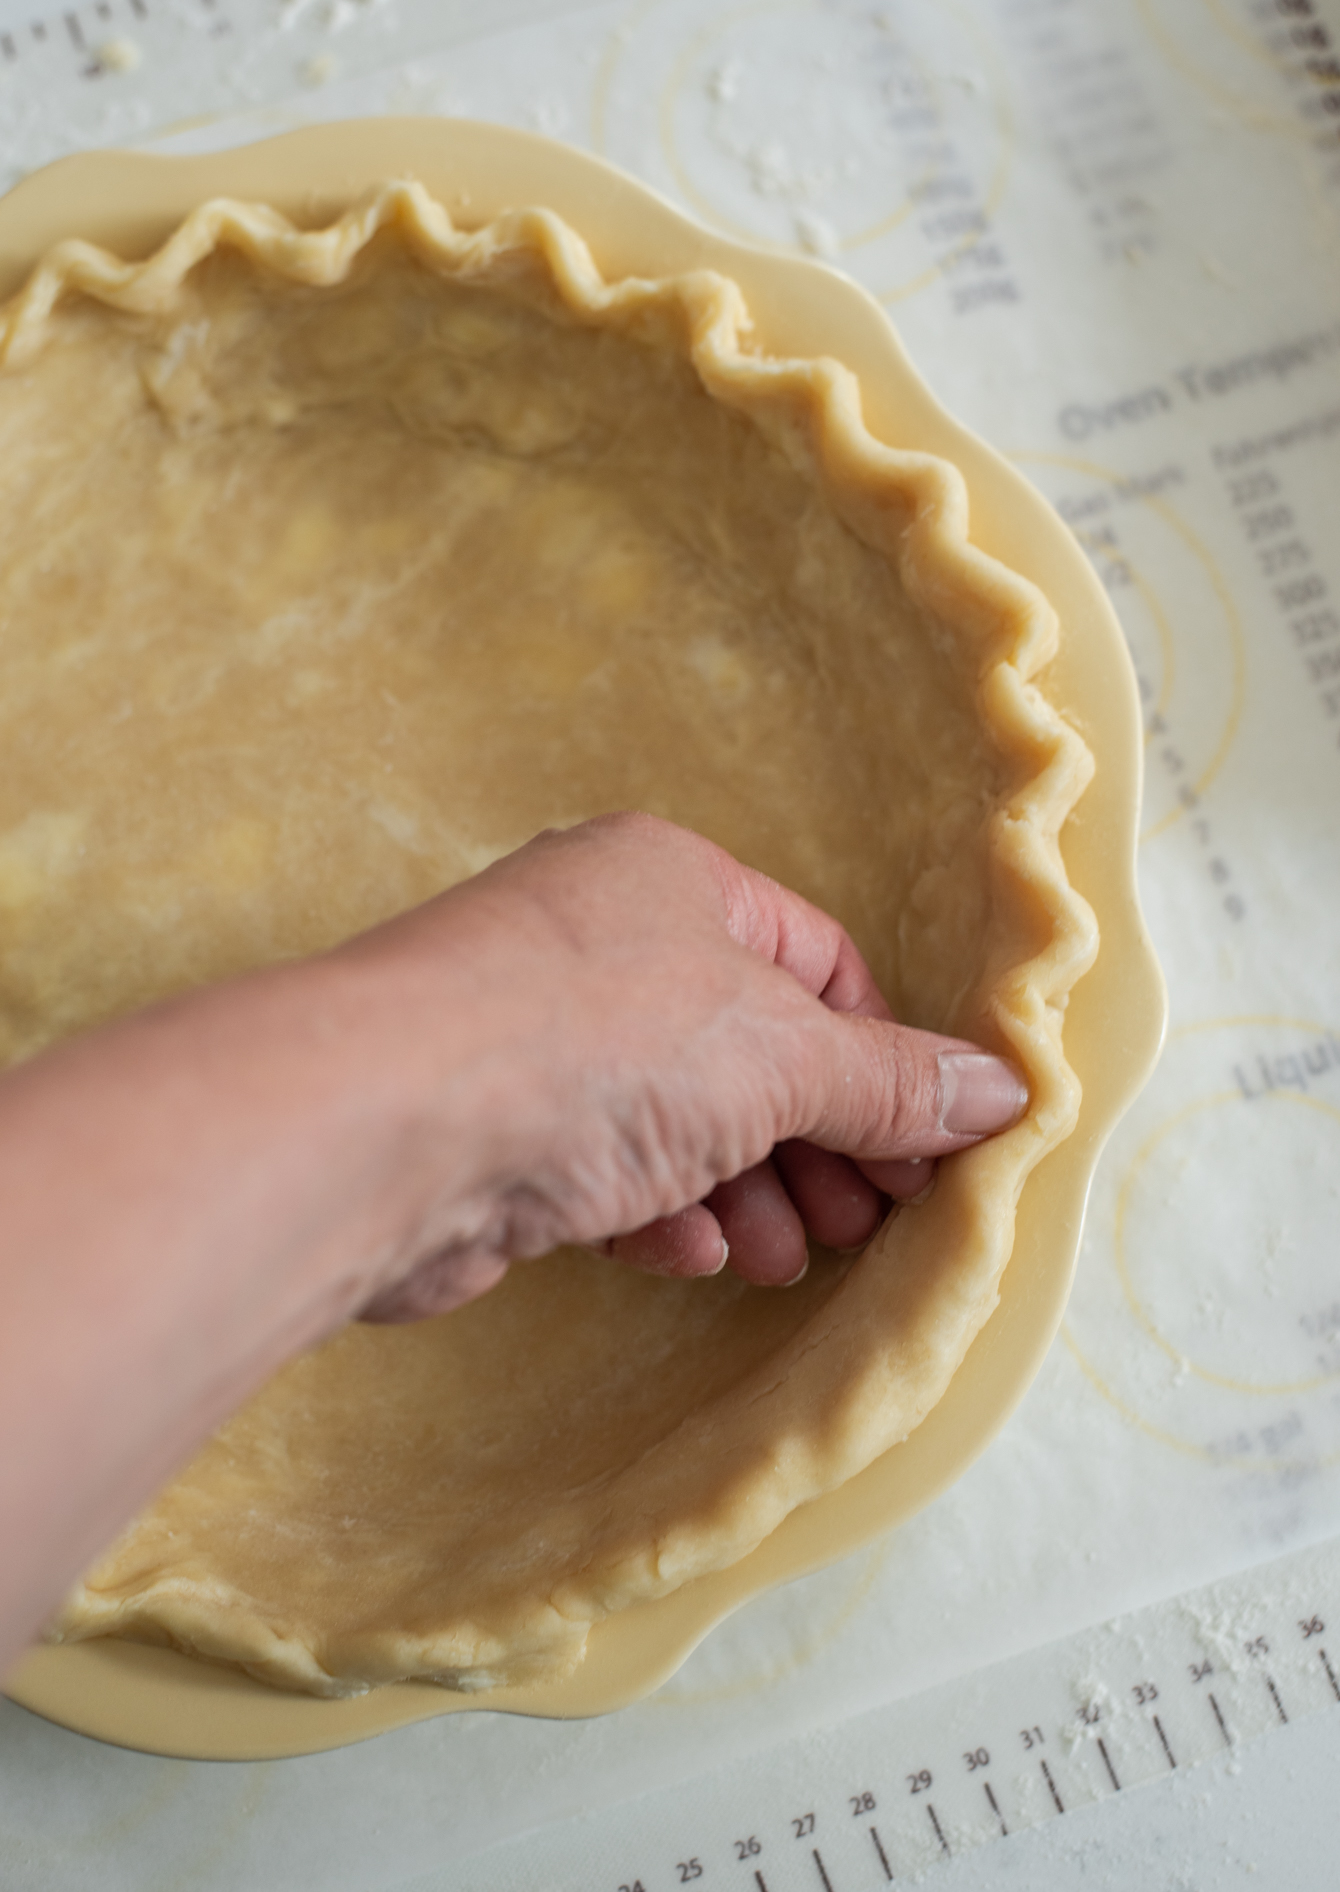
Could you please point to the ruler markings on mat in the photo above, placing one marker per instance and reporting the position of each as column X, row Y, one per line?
column 886, row 1796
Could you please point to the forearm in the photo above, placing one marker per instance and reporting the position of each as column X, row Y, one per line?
column 190, row 1198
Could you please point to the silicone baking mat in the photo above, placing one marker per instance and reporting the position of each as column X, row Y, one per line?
column 1107, row 232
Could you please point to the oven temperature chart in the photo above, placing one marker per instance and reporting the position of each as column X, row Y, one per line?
column 885, row 1797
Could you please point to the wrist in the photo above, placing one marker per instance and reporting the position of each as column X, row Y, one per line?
column 398, row 1083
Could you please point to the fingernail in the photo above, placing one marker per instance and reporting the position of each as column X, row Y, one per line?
column 725, row 1257
column 979, row 1093
column 796, row 1279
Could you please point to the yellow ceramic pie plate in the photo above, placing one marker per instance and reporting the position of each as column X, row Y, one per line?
column 167, row 1703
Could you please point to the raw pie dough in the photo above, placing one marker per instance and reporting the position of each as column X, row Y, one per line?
column 333, row 565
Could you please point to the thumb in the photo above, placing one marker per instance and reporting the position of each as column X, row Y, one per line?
column 888, row 1093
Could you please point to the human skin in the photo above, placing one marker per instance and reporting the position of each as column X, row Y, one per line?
column 616, row 1036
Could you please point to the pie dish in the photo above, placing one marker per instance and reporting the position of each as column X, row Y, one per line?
column 745, row 574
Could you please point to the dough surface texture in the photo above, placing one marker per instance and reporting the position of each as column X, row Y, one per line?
column 333, row 565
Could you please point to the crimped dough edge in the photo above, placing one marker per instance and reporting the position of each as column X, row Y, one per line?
column 879, row 1355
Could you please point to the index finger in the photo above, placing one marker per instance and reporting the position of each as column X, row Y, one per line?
column 800, row 938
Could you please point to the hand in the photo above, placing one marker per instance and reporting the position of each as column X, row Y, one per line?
column 616, row 1036
column 697, row 1063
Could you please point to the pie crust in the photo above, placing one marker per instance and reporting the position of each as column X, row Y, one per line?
column 335, row 563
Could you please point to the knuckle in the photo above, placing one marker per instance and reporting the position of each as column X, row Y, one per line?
column 913, row 1091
